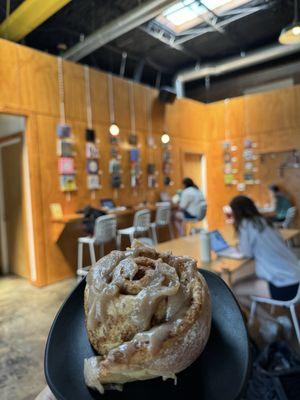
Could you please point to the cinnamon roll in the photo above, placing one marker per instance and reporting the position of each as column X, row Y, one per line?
column 148, row 314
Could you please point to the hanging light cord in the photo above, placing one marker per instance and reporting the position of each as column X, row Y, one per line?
column 61, row 92
column 89, row 115
column 111, row 99
column 131, row 108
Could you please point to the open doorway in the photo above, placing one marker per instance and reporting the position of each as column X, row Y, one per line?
column 13, row 221
column 194, row 166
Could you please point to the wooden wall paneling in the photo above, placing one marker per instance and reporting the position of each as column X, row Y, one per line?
column 213, row 121
column 99, row 96
column 39, row 88
column 190, row 119
column 121, row 102
column 140, row 106
column 9, row 74
column 74, row 91
column 234, row 118
column 280, row 140
column 35, row 163
column 271, row 111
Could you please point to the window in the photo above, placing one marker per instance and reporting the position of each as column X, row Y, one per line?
column 189, row 13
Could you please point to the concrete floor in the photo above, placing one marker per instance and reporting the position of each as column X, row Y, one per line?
column 25, row 319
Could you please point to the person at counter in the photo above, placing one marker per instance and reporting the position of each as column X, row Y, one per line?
column 277, row 269
column 191, row 203
column 280, row 203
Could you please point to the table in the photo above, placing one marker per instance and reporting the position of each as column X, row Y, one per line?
column 190, row 246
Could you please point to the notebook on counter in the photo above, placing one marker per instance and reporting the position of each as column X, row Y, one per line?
column 222, row 248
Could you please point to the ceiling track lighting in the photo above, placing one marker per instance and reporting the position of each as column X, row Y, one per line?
column 291, row 33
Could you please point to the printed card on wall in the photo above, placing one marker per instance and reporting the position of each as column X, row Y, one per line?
column 91, row 150
column 65, row 148
column 68, row 183
column 93, row 182
column 66, row 165
column 92, row 166
column 63, row 131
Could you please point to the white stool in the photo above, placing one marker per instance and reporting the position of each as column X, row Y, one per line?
column 141, row 224
column 162, row 219
column 105, row 230
column 190, row 223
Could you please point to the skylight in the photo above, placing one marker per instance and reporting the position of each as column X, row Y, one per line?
column 188, row 13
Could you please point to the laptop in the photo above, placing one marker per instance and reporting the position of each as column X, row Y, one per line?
column 108, row 204
column 222, row 248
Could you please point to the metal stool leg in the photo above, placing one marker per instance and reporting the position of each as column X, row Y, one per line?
column 154, row 234
column 119, row 241
column 101, row 249
column 295, row 322
column 131, row 236
column 80, row 255
column 92, row 254
column 171, row 231
column 252, row 312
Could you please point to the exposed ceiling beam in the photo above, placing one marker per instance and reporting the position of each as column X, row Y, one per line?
column 118, row 27
column 29, row 15
column 230, row 64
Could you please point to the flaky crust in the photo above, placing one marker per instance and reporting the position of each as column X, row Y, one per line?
column 148, row 314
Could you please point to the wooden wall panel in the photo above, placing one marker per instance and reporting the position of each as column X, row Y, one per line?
column 9, row 75
column 74, row 86
column 99, row 96
column 38, row 76
column 271, row 111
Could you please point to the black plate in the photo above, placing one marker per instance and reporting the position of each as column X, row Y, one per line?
column 220, row 373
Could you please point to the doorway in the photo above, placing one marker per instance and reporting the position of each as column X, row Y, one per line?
column 194, row 167
column 13, row 237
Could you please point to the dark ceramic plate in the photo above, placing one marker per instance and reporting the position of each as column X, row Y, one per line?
column 220, row 373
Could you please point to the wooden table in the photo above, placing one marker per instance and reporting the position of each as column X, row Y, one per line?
column 190, row 246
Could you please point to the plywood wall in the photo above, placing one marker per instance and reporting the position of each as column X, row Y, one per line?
column 29, row 86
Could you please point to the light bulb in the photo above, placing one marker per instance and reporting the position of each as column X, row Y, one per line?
column 114, row 130
column 165, row 138
column 296, row 30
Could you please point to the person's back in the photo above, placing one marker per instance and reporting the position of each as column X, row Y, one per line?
column 282, row 206
column 192, row 201
column 274, row 261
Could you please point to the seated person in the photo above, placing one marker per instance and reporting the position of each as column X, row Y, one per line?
column 191, row 204
column 281, row 203
column 277, row 269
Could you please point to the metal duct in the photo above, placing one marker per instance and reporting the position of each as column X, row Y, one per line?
column 118, row 27
column 232, row 64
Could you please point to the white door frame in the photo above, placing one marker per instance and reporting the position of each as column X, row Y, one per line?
column 4, row 243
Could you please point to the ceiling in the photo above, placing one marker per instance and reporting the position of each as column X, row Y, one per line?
column 151, row 60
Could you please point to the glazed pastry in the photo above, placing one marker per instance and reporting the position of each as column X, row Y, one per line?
column 148, row 314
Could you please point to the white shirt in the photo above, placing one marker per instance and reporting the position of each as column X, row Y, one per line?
column 192, row 201
column 274, row 261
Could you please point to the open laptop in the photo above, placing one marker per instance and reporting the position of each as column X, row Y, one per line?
column 108, row 204
column 222, row 248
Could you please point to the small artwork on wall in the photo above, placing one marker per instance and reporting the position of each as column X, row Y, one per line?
column 91, row 150
column 65, row 148
column 63, row 131
column 68, row 183
column 93, row 182
column 92, row 166
column 66, row 165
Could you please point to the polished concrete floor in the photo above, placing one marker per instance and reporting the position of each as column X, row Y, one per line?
column 25, row 319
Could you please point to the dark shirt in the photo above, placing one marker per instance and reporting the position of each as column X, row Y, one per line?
column 282, row 205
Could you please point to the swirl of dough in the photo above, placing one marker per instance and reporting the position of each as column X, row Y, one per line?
column 147, row 315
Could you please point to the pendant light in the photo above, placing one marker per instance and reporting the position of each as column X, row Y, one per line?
column 114, row 130
column 165, row 138
column 291, row 33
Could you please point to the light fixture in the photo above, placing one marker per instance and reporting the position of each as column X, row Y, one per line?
column 291, row 33
column 165, row 138
column 114, row 130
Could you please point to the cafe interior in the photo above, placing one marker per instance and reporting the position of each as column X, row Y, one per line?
column 173, row 125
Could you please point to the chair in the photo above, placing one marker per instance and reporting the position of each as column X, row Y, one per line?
column 105, row 230
column 289, row 218
column 190, row 223
column 279, row 303
column 162, row 219
column 141, row 224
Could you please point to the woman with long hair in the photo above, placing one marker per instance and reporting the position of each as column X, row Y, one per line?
column 277, row 269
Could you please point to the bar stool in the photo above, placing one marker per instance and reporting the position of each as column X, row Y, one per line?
column 190, row 223
column 162, row 219
column 141, row 224
column 105, row 230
